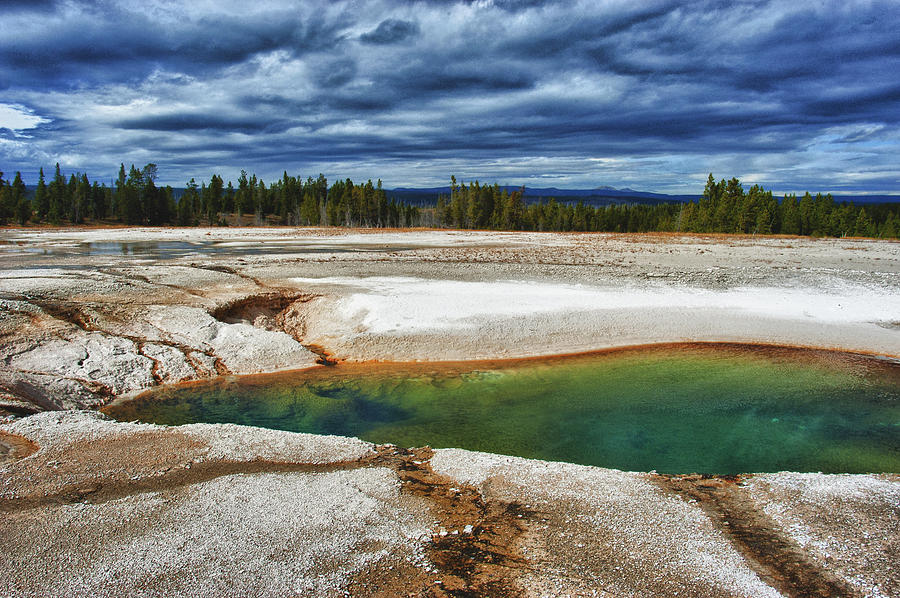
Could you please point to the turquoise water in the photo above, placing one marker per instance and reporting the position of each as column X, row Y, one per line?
column 676, row 409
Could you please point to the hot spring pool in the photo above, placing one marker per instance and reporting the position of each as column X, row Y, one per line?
column 706, row 408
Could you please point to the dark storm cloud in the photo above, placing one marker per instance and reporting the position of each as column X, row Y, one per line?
column 202, row 122
column 390, row 31
column 336, row 73
column 423, row 78
column 751, row 86
column 337, row 104
column 29, row 5
column 582, row 33
column 113, row 44
column 846, row 103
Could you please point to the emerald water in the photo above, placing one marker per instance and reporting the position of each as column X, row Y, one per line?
column 721, row 409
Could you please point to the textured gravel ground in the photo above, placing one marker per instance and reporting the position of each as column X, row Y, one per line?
column 597, row 523
column 849, row 524
column 107, row 509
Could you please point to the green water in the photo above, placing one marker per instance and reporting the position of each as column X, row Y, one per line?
column 676, row 409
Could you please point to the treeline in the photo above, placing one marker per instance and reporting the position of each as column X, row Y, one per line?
column 725, row 207
column 290, row 200
column 134, row 198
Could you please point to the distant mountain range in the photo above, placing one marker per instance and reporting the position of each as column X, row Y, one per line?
column 597, row 196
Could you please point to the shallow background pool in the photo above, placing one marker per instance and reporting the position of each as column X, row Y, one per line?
column 675, row 409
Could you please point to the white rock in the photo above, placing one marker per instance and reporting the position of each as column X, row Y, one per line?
column 94, row 356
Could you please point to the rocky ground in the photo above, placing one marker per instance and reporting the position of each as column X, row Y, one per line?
column 93, row 507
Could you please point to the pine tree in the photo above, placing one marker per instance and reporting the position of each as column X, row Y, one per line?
column 57, row 197
column 99, row 201
column 309, row 208
column 790, row 216
column 119, row 195
column 213, row 199
column 131, row 210
column 68, row 203
column 244, row 198
column 17, row 199
column 20, row 196
column 41, row 197
column 260, row 202
column 890, row 229
column 228, row 199
column 864, row 226
column 81, row 200
column 187, row 204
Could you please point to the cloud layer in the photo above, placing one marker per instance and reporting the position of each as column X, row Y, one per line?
column 651, row 95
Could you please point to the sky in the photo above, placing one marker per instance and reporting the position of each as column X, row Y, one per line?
column 652, row 95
